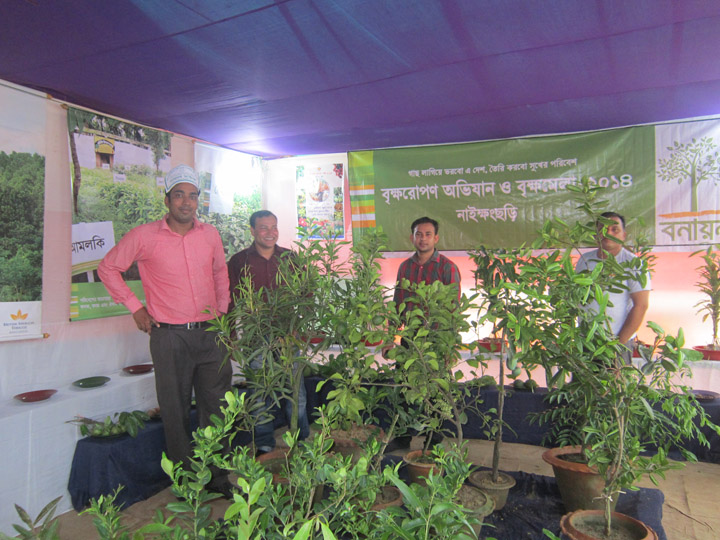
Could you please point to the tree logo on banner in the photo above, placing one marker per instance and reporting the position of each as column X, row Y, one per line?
column 696, row 161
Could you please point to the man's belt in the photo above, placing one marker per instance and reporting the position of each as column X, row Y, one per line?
column 200, row 325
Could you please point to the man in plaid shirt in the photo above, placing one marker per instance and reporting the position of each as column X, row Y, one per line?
column 426, row 265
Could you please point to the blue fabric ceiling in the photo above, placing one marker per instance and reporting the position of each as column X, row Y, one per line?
column 289, row 77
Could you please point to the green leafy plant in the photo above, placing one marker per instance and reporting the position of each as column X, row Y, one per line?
column 43, row 527
column 514, row 297
column 432, row 511
column 260, row 509
column 709, row 286
column 244, row 515
column 243, row 512
column 117, row 424
column 633, row 416
column 191, row 513
column 275, row 328
column 107, row 518
column 427, row 363
column 357, row 316
column 625, row 418
column 354, row 487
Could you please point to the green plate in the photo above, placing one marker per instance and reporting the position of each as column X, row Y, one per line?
column 91, row 382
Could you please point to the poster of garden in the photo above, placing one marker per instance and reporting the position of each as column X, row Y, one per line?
column 117, row 181
column 22, row 191
column 118, row 170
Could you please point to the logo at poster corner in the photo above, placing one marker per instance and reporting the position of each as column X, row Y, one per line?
column 19, row 316
column 691, row 163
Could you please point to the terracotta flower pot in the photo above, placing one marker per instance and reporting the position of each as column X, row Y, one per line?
column 478, row 504
column 350, row 442
column 274, row 462
column 590, row 524
column 490, row 344
column 389, row 496
column 419, row 463
column 708, row 352
column 498, row 491
column 580, row 486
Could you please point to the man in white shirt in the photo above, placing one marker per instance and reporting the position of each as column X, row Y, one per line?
column 626, row 309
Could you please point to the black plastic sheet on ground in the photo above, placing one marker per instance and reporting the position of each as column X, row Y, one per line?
column 534, row 504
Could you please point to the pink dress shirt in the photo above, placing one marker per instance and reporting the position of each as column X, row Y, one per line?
column 183, row 276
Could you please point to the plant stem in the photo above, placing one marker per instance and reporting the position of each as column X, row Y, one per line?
column 501, row 405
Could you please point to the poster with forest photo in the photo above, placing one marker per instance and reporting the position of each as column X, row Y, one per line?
column 22, row 191
column 117, row 181
column 230, row 184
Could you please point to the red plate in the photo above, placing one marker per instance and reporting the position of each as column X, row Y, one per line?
column 36, row 395
column 138, row 369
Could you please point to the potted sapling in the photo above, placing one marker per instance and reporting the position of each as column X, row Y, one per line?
column 514, row 302
column 709, row 307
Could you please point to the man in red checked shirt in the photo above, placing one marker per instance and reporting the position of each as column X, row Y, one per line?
column 426, row 265
column 184, row 275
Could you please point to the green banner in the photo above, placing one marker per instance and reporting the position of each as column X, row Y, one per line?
column 498, row 193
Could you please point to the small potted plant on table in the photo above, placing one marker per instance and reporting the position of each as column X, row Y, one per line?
column 709, row 285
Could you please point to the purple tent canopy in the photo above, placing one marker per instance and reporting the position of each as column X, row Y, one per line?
column 289, row 77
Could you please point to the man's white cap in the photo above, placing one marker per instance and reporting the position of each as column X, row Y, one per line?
column 180, row 174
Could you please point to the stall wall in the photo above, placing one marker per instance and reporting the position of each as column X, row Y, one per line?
column 37, row 462
column 82, row 348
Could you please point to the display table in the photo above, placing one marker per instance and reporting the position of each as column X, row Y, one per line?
column 102, row 464
column 36, row 464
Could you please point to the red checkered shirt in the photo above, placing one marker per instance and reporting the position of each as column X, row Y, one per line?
column 436, row 268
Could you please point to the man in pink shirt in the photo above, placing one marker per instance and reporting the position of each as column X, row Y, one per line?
column 184, row 275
